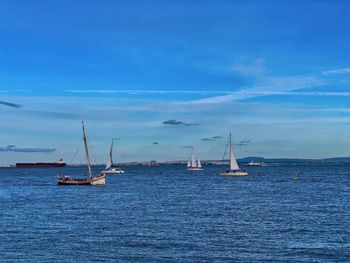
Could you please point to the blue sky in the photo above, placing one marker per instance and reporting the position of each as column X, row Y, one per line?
column 275, row 73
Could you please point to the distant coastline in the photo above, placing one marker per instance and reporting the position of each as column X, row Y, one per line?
column 338, row 160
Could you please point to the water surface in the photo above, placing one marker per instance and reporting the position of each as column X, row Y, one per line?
column 165, row 213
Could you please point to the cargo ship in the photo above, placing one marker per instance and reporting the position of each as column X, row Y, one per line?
column 59, row 163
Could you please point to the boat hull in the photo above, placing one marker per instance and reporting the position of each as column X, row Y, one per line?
column 195, row 169
column 39, row 165
column 254, row 164
column 235, row 173
column 114, row 171
column 98, row 180
column 95, row 180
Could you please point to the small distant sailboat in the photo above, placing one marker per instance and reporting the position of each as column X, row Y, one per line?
column 110, row 167
column 192, row 165
column 234, row 168
column 296, row 176
column 252, row 163
column 90, row 180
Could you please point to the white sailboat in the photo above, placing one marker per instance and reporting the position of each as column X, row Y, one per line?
column 91, row 179
column 234, row 168
column 110, row 167
column 192, row 165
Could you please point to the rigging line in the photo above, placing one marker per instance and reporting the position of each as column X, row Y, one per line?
column 223, row 158
column 76, row 152
column 93, row 154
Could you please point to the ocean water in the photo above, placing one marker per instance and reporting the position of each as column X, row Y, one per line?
column 167, row 214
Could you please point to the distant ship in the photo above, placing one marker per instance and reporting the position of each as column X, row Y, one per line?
column 252, row 163
column 59, row 163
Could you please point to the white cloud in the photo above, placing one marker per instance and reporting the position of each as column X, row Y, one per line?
column 268, row 86
column 130, row 91
column 340, row 71
column 255, row 68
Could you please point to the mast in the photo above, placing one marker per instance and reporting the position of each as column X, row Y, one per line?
column 111, row 153
column 86, row 152
column 233, row 162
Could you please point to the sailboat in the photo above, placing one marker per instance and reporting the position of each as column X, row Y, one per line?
column 110, row 168
column 192, row 165
column 91, row 179
column 234, row 168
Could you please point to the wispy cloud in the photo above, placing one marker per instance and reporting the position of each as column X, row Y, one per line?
column 187, row 147
column 339, row 71
column 268, row 86
column 13, row 148
column 176, row 122
column 155, row 143
column 133, row 92
column 244, row 142
column 212, row 138
column 10, row 104
column 255, row 68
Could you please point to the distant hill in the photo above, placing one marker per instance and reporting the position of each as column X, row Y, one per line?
column 294, row 160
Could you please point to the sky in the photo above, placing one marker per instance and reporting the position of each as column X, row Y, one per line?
column 164, row 75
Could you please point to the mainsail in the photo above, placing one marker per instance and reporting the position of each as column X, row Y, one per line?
column 199, row 163
column 194, row 164
column 110, row 161
column 233, row 162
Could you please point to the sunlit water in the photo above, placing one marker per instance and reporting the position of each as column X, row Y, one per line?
column 166, row 213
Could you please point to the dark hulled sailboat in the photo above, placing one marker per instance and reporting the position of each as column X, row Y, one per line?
column 90, row 180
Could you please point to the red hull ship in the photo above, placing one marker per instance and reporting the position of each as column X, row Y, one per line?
column 59, row 163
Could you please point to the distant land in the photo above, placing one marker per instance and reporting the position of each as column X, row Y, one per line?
column 345, row 160
column 295, row 160
column 244, row 160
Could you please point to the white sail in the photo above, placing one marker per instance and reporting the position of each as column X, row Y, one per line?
column 189, row 163
column 194, row 164
column 110, row 160
column 199, row 163
column 108, row 165
column 233, row 162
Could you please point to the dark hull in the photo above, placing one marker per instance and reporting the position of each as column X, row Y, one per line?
column 65, row 180
column 39, row 165
column 73, row 182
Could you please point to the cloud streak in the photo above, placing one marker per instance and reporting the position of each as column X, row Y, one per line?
column 176, row 122
column 212, row 138
column 133, row 92
column 13, row 148
column 187, row 147
column 268, row 86
column 250, row 69
column 244, row 142
column 339, row 71
column 10, row 104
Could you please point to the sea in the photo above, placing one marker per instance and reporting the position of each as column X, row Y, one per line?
column 169, row 214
